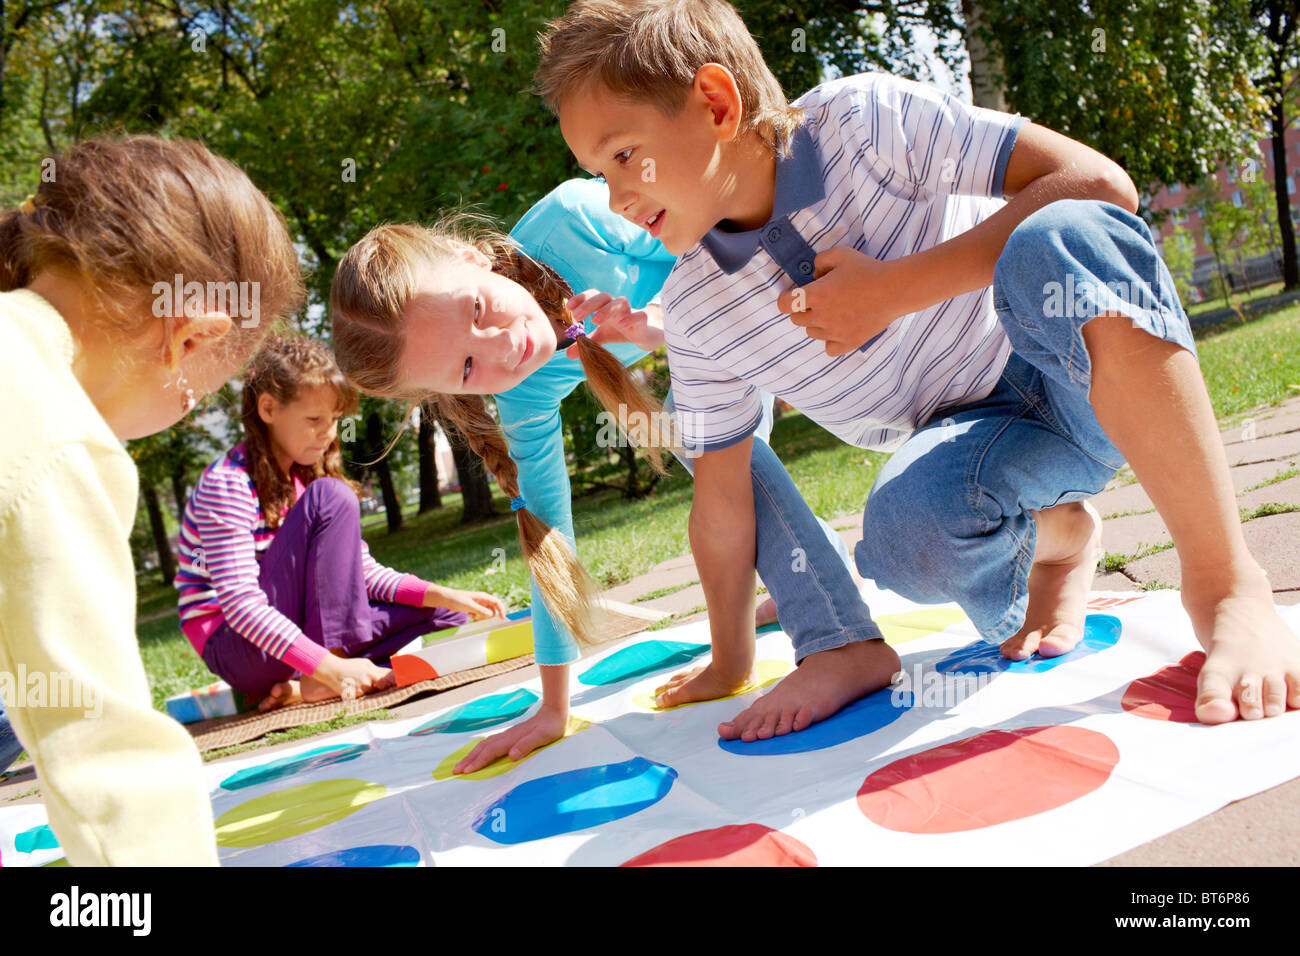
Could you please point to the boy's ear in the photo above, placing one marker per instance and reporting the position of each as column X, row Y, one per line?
column 716, row 87
column 471, row 254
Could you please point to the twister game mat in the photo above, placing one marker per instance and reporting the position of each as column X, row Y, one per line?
column 967, row 759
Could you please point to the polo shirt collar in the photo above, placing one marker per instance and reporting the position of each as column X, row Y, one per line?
column 798, row 186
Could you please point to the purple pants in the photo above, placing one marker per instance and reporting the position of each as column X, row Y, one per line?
column 312, row 574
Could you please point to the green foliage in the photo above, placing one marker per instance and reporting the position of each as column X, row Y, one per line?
column 1164, row 87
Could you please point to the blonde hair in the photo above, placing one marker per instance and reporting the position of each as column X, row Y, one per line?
column 125, row 214
column 650, row 50
column 377, row 279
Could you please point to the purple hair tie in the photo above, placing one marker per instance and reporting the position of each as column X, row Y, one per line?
column 573, row 331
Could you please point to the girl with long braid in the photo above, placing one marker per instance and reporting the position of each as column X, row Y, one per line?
column 443, row 312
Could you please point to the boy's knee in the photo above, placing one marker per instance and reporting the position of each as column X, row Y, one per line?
column 1062, row 233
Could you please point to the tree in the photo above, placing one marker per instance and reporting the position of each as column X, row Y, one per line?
column 1280, row 19
column 1164, row 87
column 1179, row 252
column 430, row 497
column 475, row 491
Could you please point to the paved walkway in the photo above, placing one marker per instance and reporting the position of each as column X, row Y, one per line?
column 1264, row 454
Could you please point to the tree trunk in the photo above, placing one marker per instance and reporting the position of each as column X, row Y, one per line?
column 179, row 491
column 430, row 498
column 166, row 561
column 1290, row 267
column 628, row 453
column 985, row 64
column 392, row 507
column 475, row 490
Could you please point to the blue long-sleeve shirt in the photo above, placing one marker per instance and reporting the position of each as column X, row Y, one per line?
column 573, row 231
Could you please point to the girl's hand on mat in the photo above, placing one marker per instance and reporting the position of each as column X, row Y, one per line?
column 616, row 321
column 544, row 727
column 852, row 298
column 477, row 604
column 352, row 677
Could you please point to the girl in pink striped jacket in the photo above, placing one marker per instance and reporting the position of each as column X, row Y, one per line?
column 278, row 592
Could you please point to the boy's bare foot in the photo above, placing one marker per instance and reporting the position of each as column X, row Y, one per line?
column 765, row 613
column 282, row 694
column 1252, row 658
column 1069, row 540
column 819, row 687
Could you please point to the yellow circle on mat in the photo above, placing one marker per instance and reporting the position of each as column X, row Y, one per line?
column 295, row 810
column 502, row 764
column 909, row 625
column 766, row 673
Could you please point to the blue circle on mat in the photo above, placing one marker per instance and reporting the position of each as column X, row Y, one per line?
column 382, row 855
column 864, row 716
column 575, row 800
column 288, row 766
column 642, row 658
column 478, row 714
column 37, row 838
column 1100, row 631
column 520, row 614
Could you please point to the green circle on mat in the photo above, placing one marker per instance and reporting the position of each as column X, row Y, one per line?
column 295, row 810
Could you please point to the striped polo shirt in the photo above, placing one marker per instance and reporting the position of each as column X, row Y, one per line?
column 223, row 540
column 889, row 167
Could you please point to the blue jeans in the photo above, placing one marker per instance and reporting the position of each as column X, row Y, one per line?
column 804, row 564
column 948, row 518
column 10, row 748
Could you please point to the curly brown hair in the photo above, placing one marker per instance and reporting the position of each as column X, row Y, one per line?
column 284, row 366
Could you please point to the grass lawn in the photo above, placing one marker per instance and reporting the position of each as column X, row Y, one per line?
column 1245, row 366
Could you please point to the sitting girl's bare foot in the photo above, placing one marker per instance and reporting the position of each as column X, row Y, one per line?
column 1252, row 658
column 1059, row 585
column 282, row 694
column 821, row 685
column 313, row 690
column 765, row 613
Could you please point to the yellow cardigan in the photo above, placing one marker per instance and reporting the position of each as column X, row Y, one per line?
column 122, row 783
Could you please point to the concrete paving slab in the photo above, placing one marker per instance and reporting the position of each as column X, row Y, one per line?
column 1119, row 500
column 1283, row 492
column 1247, row 476
column 1272, row 448
column 1113, row 581
column 1258, row 831
column 1133, row 534
column 678, row 602
column 630, row 591
column 1261, row 426
column 1275, row 543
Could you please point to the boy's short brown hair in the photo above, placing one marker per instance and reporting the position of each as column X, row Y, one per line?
column 650, row 51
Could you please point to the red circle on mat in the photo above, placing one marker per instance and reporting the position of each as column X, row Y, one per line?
column 992, row 778
column 1169, row 693
column 749, row 844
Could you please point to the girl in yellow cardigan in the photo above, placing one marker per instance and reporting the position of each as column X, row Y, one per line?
column 135, row 281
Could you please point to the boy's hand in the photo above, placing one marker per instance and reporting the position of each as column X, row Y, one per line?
column 544, row 727
column 851, row 298
column 616, row 321
column 477, row 604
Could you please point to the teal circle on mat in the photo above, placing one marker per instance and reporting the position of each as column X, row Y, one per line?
column 478, row 714
column 1101, row 631
column 642, row 658
column 575, row 800
column 864, row 716
column 37, row 838
column 288, row 766
column 379, row 855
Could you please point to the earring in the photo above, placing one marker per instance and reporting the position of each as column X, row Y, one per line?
column 187, row 394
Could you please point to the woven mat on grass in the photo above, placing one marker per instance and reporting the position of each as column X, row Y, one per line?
column 613, row 621
column 241, row 728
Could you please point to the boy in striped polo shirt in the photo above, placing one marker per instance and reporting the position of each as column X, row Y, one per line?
column 853, row 254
